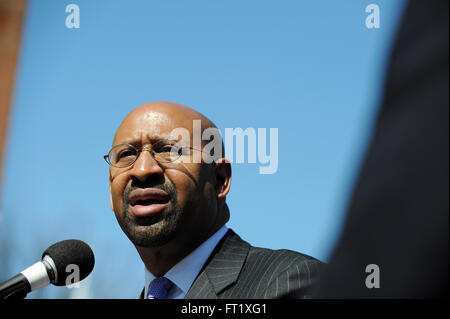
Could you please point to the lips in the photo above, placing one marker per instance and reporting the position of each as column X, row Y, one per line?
column 148, row 201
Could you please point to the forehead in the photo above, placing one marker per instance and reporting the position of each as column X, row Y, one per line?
column 148, row 126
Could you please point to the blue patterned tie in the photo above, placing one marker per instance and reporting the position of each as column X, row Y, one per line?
column 158, row 288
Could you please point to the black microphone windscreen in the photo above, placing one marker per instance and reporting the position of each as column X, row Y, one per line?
column 70, row 252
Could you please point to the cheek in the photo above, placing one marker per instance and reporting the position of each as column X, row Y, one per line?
column 209, row 191
column 194, row 187
column 209, row 194
column 186, row 190
column 187, row 186
column 117, row 187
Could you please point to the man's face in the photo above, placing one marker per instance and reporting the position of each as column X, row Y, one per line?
column 157, row 202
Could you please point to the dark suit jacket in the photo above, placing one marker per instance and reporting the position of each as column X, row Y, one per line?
column 236, row 270
column 398, row 217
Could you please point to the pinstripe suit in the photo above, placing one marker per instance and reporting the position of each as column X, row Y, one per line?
column 236, row 270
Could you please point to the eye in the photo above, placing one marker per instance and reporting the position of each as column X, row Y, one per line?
column 126, row 153
column 165, row 148
column 183, row 151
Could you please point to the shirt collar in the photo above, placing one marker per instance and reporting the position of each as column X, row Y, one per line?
column 185, row 271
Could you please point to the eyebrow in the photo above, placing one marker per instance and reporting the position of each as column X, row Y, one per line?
column 153, row 140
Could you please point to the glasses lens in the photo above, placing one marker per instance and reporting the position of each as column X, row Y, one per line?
column 166, row 151
column 122, row 155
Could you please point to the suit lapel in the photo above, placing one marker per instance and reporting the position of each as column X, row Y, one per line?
column 202, row 288
column 222, row 268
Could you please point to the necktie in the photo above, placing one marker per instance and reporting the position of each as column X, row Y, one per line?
column 158, row 288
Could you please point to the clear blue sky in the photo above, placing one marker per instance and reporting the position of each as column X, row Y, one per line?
column 309, row 68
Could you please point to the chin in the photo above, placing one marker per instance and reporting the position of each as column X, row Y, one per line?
column 154, row 235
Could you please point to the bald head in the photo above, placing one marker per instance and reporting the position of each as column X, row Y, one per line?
column 171, row 116
column 177, row 112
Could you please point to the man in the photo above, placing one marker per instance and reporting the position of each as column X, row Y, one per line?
column 172, row 207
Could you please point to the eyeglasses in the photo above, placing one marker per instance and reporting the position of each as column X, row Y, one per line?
column 163, row 151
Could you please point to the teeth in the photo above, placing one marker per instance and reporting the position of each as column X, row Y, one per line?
column 147, row 202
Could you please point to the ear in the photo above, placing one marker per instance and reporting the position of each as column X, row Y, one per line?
column 110, row 197
column 223, row 177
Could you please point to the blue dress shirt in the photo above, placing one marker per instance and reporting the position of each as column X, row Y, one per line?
column 184, row 272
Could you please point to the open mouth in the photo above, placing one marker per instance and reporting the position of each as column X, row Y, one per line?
column 148, row 201
column 144, row 202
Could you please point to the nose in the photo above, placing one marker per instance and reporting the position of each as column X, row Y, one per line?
column 145, row 166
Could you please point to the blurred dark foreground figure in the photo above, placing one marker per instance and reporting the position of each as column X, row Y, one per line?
column 398, row 215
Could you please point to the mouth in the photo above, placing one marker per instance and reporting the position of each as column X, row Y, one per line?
column 148, row 202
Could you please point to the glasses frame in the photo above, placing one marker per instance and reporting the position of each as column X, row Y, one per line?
column 146, row 148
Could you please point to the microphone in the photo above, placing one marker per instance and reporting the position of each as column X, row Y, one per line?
column 53, row 268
